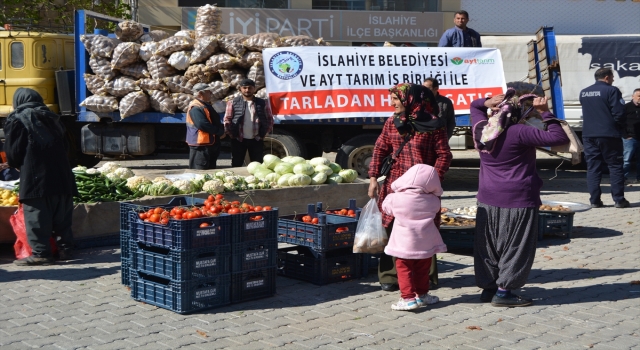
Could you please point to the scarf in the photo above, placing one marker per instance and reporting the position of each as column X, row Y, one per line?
column 421, row 109
column 42, row 125
column 510, row 111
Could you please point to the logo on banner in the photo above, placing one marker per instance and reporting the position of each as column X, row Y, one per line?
column 458, row 61
column 285, row 65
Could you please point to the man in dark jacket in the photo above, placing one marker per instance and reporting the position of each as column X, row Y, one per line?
column 35, row 145
column 446, row 113
column 603, row 125
column 460, row 35
column 247, row 120
column 630, row 140
column 204, row 129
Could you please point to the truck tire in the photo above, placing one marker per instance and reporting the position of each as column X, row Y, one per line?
column 356, row 153
column 282, row 143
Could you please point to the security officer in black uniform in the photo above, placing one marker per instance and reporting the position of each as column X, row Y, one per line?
column 602, row 129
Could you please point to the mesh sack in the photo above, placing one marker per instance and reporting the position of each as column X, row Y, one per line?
column 388, row 44
column 147, row 49
column 162, row 101
column 121, row 86
column 299, row 40
column 221, row 61
column 99, row 45
column 233, row 44
column 204, row 48
column 102, row 67
column 174, row 44
column 178, row 83
column 129, row 31
column 256, row 73
column 100, row 104
column 182, row 100
column 95, row 84
column 125, row 54
column 154, row 35
column 159, row 67
column 219, row 90
column 134, row 103
column 231, row 96
column 148, row 84
column 199, row 73
column 233, row 77
column 321, row 42
column 249, row 59
column 137, row 70
column 191, row 34
column 180, row 60
column 260, row 41
column 208, row 21
column 262, row 93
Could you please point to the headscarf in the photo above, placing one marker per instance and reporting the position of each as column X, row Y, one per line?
column 511, row 111
column 421, row 109
column 42, row 124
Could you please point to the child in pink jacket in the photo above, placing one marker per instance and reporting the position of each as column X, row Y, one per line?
column 415, row 237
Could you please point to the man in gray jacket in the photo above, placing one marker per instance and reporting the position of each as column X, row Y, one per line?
column 447, row 113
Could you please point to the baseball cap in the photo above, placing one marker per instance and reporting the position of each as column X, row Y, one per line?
column 201, row 87
column 247, row 82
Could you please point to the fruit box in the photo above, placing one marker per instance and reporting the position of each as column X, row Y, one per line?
column 319, row 268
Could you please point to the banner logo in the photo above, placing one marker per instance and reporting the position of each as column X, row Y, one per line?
column 457, row 61
column 285, row 65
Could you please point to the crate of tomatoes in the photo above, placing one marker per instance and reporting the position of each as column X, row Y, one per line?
column 351, row 211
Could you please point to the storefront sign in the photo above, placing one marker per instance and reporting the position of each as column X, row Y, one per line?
column 376, row 26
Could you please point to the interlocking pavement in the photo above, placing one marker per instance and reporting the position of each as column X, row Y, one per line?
column 586, row 293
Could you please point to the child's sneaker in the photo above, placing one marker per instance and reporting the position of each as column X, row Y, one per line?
column 426, row 299
column 404, row 305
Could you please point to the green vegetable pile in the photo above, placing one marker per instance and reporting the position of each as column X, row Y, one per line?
column 95, row 187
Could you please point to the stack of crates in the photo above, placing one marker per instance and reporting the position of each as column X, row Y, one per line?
column 253, row 255
column 181, row 266
column 322, row 253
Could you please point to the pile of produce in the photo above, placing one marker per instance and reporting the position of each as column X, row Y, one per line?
column 105, row 184
column 142, row 72
column 293, row 171
column 8, row 198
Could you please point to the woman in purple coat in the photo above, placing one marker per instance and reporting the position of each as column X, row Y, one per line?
column 508, row 192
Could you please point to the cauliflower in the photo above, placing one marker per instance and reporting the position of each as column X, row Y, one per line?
column 223, row 174
column 229, row 187
column 184, row 186
column 214, row 186
column 93, row 171
column 250, row 179
column 79, row 169
column 203, row 177
column 108, row 167
column 234, row 179
column 135, row 182
column 124, row 173
column 162, row 179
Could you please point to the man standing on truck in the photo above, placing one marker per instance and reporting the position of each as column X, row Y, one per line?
column 446, row 112
column 35, row 144
column 460, row 35
column 203, row 129
column 631, row 148
column 247, row 120
column 602, row 131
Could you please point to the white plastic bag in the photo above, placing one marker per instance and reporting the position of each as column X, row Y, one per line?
column 371, row 236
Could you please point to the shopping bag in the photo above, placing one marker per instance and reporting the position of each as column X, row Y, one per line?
column 22, row 247
column 371, row 237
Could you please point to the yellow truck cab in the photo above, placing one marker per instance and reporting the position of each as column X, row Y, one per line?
column 30, row 59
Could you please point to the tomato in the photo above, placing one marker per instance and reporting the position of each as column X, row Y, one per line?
column 219, row 196
column 342, row 229
column 233, row 211
column 352, row 215
column 196, row 213
column 314, row 221
column 142, row 216
column 158, row 210
column 266, row 208
column 343, row 212
column 188, row 215
column 351, row 212
column 306, row 218
column 164, row 221
column 177, row 217
column 154, row 218
column 208, row 204
column 257, row 208
column 256, row 218
column 214, row 210
column 329, row 212
column 180, row 211
column 236, row 203
column 150, row 212
column 172, row 212
column 211, row 198
column 204, row 224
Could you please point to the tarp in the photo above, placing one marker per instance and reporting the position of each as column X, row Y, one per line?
column 346, row 82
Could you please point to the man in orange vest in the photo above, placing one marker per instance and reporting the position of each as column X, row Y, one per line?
column 204, row 129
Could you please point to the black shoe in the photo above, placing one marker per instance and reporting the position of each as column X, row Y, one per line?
column 487, row 294
column 65, row 254
column 622, row 204
column 389, row 287
column 33, row 261
column 597, row 204
column 510, row 300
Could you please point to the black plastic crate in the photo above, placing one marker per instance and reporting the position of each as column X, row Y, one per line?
column 555, row 224
column 456, row 237
column 254, row 255
column 351, row 206
column 321, row 237
column 369, row 263
column 125, row 246
column 246, row 228
column 320, row 269
column 253, row 284
column 125, row 273
column 181, row 265
column 181, row 297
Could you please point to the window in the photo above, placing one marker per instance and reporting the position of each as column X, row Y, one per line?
column 338, row 4
column 17, row 54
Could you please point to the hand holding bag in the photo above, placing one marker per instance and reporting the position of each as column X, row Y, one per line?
column 371, row 237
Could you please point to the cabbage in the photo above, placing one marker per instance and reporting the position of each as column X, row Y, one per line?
column 303, row 168
column 299, row 180
column 319, row 160
column 318, row 178
column 261, row 173
column 335, row 167
column 284, row 180
column 348, row 175
column 323, row 169
column 270, row 161
column 284, row 168
column 272, row 177
column 286, row 159
column 253, row 166
column 334, row 179
column 295, row 160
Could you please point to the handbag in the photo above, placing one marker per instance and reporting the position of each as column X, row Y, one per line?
column 574, row 147
column 389, row 160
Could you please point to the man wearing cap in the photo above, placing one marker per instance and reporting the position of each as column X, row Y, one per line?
column 204, row 129
column 248, row 119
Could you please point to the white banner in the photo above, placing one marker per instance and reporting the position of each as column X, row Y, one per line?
column 341, row 82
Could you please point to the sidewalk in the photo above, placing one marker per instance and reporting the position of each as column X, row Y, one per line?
column 582, row 288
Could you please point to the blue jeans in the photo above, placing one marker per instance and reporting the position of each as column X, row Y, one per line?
column 630, row 150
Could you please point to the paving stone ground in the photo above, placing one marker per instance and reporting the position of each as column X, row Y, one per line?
column 583, row 288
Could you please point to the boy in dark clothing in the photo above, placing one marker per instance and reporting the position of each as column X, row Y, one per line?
column 35, row 145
